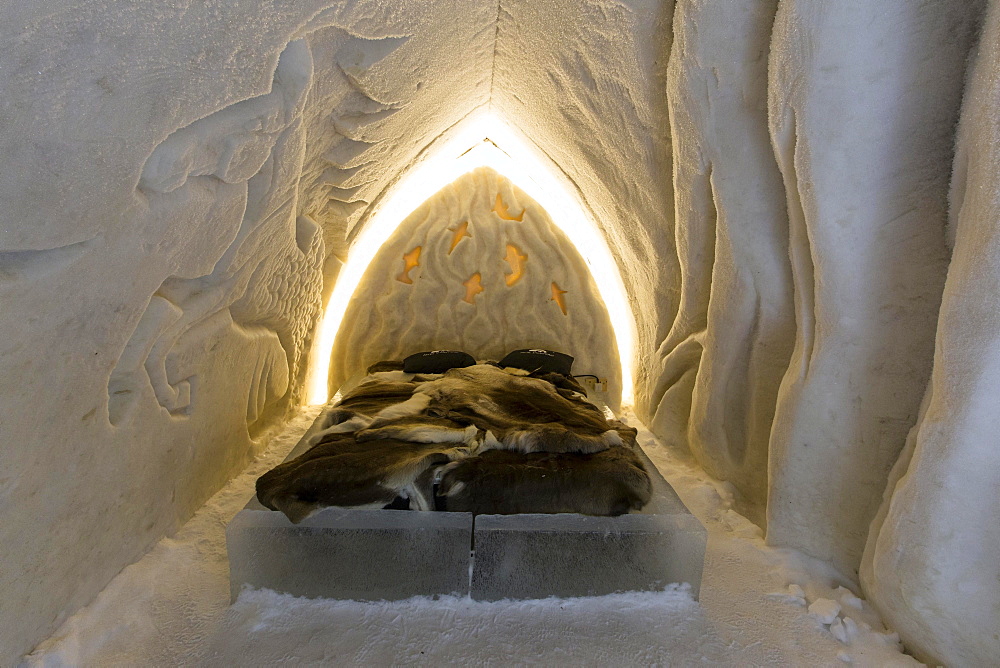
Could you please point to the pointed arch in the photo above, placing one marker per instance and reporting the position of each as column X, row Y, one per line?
column 482, row 140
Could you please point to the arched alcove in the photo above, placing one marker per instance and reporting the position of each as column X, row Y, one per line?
column 479, row 267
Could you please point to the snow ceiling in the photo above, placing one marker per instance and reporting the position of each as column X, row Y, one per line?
column 808, row 253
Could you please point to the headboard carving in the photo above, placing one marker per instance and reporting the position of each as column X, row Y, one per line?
column 478, row 267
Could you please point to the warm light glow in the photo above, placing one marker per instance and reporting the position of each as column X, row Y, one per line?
column 501, row 210
column 557, row 297
column 411, row 261
column 473, row 286
column 459, row 232
column 483, row 140
column 516, row 261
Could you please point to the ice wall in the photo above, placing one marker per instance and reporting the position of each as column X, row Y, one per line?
column 584, row 81
column 830, row 203
column 811, row 145
column 863, row 100
column 172, row 200
column 931, row 563
column 719, row 366
column 479, row 267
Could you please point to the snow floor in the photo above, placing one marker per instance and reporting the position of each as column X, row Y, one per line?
column 759, row 606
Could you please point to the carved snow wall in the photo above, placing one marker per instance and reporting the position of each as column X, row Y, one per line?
column 930, row 563
column 250, row 280
column 811, row 179
column 479, row 267
column 813, row 147
column 179, row 183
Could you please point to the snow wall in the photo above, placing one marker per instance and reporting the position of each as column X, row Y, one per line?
column 478, row 267
column 182, row 182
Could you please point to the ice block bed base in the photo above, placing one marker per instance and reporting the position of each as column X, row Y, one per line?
column 351, row 554
column 396, row 554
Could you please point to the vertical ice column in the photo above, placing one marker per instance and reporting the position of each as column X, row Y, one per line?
column 931, row 564
column 728, row 349
column 863, row 100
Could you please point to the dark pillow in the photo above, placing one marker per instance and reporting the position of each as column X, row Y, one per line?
column 437, row 361
column 544, row 361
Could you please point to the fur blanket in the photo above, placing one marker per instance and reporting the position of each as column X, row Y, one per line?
column 610, row 482
column 340, row 471
column 399, row 434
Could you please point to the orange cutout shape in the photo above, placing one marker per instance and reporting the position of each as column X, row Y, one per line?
column 460, row 232
column 410, row 260
column 473, row 287
column 557, row 296
column 501, row 210
column 516, row 262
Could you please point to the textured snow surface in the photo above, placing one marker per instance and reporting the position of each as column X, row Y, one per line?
column 172, row 607
column 722, row 361
column 172, row 210
column 811, row 172
column 865, row 154
column 931, row 563
column 489, row 264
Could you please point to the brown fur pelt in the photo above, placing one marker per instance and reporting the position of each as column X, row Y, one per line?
column 611, row 482
column 370, row 397
column 340, row 471
column 423, row 429
column 499, row 440
column 523, row 413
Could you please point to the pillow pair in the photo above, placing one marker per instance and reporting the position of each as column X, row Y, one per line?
column 529, row 359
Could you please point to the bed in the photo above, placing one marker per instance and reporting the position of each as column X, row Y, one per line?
column 534, row 491
column 441, row 432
